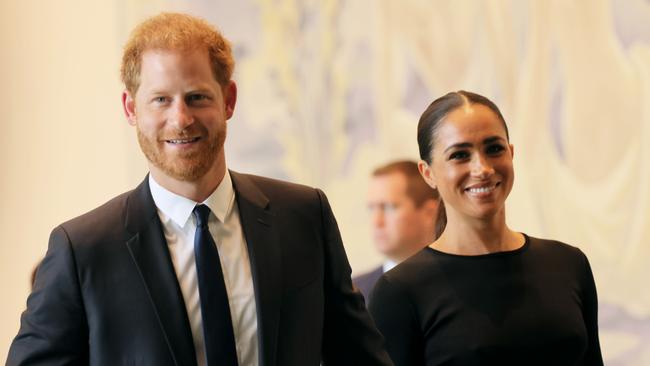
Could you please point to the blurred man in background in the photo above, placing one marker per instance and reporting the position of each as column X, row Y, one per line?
column 403, row 211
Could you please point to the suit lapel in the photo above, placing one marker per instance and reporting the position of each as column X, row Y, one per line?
column 259, row 231
column 148, row 248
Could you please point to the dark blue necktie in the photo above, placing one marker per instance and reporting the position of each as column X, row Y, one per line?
column 217, row 324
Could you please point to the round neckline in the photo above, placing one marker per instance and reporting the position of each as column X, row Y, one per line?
column 521, row 249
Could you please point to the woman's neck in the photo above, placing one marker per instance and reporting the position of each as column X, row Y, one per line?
column 471, row 236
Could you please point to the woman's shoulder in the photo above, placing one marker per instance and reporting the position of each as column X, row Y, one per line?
column 412, row 270
column 398, row 288
column 554, row 249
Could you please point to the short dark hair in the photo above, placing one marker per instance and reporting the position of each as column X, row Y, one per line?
column 416, row 188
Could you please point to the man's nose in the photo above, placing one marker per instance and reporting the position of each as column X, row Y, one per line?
column 378, row 217
column 181, row 116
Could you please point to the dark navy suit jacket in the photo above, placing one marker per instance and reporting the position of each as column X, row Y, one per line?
column 366, row 282
column 107, row 294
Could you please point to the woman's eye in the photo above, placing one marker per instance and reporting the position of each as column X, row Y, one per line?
column 159, row 99
column 495, row 149
column 459, row 155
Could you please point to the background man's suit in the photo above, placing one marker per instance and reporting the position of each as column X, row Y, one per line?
column 106, row 292
column 366, row 282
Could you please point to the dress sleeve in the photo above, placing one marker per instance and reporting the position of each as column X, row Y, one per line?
column 590, row 314
column 396, row 319
column 349, row 335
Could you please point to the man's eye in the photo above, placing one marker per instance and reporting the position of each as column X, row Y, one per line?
column 160, row 99
column 196, row 98
column 494, row 149
column 390, row 207
column 459, row 155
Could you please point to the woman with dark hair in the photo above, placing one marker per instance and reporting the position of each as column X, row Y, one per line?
column 481, row 293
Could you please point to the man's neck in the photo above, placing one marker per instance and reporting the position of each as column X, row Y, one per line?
column 198, row 190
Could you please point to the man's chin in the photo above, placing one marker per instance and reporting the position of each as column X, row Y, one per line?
column 186, row 175
column 185, row 171
column 386, row 251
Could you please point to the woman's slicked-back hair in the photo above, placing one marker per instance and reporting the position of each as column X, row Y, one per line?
column 441, row 107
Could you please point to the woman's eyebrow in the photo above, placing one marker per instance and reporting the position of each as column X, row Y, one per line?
column 458, row 145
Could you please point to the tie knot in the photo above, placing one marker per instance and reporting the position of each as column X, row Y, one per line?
column 201, row 213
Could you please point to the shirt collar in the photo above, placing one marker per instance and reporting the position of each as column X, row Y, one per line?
column 388, row 265
column 179, row 209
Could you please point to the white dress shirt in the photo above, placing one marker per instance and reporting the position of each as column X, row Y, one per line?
column 179, row 227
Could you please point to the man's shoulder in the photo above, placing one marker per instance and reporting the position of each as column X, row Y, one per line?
column 269, row 184
column 370, row 276
column 109, row 217
column 275, row 189
column 365, row 282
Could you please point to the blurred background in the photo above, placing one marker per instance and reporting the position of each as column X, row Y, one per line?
column 330, row 89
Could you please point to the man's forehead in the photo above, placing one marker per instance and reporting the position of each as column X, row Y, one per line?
column 181, row 49
column 388, row 185
column 393, row 179
column 157, row 54
column 160, row 67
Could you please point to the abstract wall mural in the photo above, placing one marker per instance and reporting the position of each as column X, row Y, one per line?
column 331, row 89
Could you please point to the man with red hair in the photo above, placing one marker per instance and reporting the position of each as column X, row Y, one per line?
column 198, row 265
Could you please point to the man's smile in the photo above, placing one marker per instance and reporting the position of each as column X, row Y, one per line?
column 182, row 141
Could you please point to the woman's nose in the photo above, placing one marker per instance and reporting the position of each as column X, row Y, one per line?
column 481, row 167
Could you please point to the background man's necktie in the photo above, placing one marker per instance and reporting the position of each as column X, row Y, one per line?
column 217, row 323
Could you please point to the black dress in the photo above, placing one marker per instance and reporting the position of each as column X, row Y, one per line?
column 532, row 306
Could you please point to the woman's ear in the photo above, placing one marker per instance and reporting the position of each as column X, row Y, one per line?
column 512, row 151
column 427, row 173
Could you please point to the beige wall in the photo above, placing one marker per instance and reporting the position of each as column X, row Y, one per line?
column 65, row 147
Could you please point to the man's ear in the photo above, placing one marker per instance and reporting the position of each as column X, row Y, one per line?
column 427, row 173
column 128, row 103
column 230, row 98
column 430, row 206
